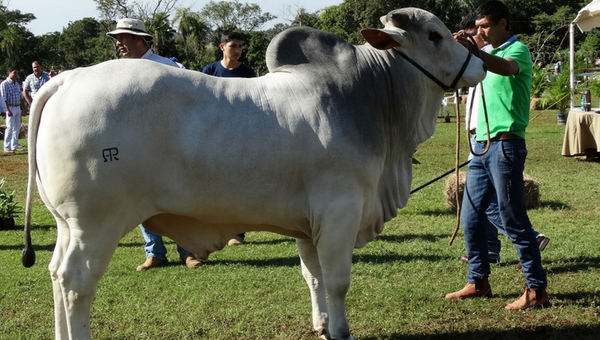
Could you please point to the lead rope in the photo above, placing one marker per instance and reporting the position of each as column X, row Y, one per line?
column 457, row 166
column 487, row 124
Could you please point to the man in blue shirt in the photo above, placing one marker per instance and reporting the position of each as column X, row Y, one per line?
column 232, row 44
column 34, row 82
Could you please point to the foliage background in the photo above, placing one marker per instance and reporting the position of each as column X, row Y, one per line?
column 192, row 37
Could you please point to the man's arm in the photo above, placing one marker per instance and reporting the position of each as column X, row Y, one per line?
column 3, row 94
column 501, row 66
column 3, row 106
column 495, row 64
column 24, row 111
column 27, row 97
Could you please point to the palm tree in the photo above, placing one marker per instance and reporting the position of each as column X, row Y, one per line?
column 193, row 30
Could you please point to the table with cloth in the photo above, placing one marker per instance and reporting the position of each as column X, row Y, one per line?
column 582, row 134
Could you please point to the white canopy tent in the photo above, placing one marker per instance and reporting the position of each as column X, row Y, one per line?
column 587, row 18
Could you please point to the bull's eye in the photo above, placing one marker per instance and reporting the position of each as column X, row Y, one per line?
column 434, row 36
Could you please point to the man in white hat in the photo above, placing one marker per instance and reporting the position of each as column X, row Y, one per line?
column 131, row 40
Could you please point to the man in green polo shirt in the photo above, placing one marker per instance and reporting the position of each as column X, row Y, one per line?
column 499, row 172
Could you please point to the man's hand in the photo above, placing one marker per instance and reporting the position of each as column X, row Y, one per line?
column 468, row 42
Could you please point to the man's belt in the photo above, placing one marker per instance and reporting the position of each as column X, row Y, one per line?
column 505, row 136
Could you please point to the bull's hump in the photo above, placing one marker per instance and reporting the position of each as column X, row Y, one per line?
column 310, row 48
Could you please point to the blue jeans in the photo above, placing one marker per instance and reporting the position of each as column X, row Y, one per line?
column 499, row 175
column 155, row 247
column 493, row 224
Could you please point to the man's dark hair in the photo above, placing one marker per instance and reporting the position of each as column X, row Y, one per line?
column 468, row 21
column 229, row 35
column 495, row 10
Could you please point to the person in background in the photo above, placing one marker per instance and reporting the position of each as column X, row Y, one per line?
column 499, row 172
column 15, row 107
column 176, row 61
column 3, row 108
column 232, row 45
column 34, row 82
column 132, row 42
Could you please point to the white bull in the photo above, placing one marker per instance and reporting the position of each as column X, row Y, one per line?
column 320, row 149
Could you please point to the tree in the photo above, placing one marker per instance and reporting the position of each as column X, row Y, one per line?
column 194, row 35
column 84, row 43
column 550, row 34
column 159, row 26
column 246, row 17
column 256, row 48
column 15, row 40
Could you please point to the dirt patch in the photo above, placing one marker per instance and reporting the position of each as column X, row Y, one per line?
column 13, row 163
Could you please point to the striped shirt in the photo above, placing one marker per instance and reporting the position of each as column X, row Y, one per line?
column 33, row 83
column 11, row 91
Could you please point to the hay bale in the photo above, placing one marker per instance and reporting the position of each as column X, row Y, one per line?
column 22, row 132
column 532, row 190
column 450, row 190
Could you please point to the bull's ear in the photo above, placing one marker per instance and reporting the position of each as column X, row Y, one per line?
column 379, row 39
column 383, row 19
column 400, row 20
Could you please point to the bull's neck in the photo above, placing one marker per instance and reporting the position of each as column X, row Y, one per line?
column 407, row 105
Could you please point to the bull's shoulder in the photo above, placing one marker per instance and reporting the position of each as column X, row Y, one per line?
column 308, row 47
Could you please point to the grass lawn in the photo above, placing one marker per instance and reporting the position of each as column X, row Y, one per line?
column 256, row 291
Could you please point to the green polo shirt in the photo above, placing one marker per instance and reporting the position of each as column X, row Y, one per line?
column 507, row 97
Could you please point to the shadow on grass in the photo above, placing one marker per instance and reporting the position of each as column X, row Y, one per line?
column 576, row 264
column 438, row 212
column 272, row 262
column 295, row 260
column 270, row 242
column 42, row 227
column 553, row 205
column 411, row 237
column 539, row 333
column 36, row 247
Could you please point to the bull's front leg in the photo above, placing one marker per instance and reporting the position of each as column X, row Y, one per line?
column 311, row 270
column 337, row 227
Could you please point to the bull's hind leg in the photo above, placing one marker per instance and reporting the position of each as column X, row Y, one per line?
column 311, row 270
column 80, row 260
column 62, row 242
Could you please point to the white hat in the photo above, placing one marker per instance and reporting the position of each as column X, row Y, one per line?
column 130, row 26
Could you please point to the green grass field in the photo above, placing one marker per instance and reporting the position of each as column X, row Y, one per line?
column 256, row 291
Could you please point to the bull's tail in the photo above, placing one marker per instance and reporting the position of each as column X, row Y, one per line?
column 41, row 97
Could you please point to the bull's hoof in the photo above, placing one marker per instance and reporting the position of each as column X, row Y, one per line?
column 322, row 334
